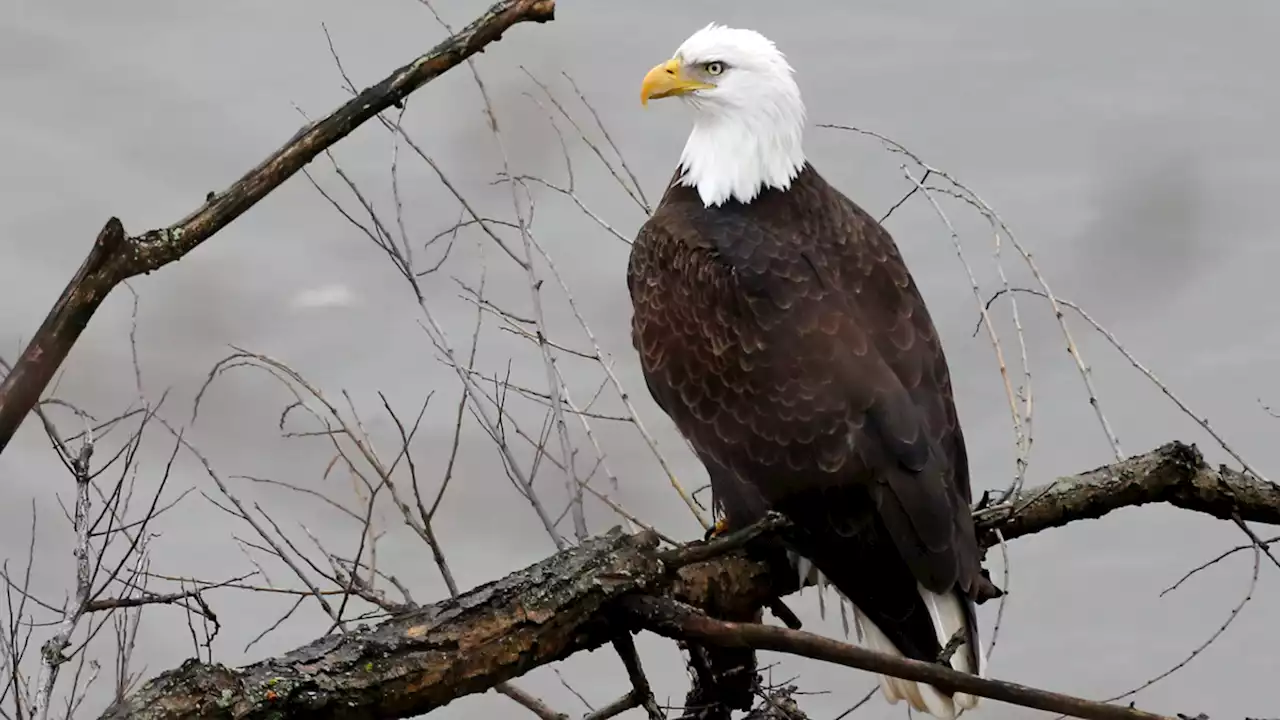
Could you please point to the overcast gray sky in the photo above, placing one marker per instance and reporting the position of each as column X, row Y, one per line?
column 1131, row 149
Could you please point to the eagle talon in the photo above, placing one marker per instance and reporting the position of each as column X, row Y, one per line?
column 720, row 528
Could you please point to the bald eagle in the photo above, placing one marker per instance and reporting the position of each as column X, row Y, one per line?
column 779, row 328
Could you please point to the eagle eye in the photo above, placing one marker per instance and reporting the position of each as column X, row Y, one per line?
column 715, row 67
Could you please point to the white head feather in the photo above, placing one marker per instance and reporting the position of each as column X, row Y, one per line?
column 748, row 128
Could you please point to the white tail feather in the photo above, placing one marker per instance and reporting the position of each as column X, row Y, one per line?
column 948, row 616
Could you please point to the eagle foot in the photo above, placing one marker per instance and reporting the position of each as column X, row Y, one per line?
column 987, row 590
column 720, row 528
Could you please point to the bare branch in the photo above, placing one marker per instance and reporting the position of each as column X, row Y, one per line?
column 426, row 658
column 565, row 604
column 51, row 654
column 679, row 621
column 116, row 256
column 1174, row 473
column 641, row 694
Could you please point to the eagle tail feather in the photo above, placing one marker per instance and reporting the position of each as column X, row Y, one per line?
column 894, row 689
column 953, row 614
column 949, row 612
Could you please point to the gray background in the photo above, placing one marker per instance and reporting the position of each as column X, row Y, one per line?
column 1130, row 147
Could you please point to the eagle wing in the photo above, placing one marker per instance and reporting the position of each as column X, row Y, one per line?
column 788, row 342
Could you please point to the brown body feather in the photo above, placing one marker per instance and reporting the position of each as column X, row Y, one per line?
column 788, row 342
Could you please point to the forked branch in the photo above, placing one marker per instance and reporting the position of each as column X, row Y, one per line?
column 572, row 601
column 117, row 256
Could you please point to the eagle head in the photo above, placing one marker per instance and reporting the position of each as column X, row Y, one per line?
column 748, row 115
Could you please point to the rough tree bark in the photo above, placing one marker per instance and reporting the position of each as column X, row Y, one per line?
column 428, row 657
column 117, row 256
column 573, row 601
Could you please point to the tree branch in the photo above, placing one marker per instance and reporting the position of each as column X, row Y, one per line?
column 1174, row 473
column 572, row 601
column 679, row 621
column 116, row 256
column 423, row 659
column 778, row 704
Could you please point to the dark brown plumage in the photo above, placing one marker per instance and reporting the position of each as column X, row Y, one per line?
column 788, row 342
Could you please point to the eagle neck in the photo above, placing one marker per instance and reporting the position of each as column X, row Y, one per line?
column 734, row 154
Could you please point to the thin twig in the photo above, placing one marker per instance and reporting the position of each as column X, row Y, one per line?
column 116, row 256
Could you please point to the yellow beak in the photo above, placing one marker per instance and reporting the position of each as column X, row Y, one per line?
column 666, row 80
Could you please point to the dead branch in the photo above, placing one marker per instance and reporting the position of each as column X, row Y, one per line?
column 1175, row 473
column 779, row 704
column 52, row 657
column 117, row 256
column 571, row 602
column 676, row 620
column 423, row 659
column 640, row 693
